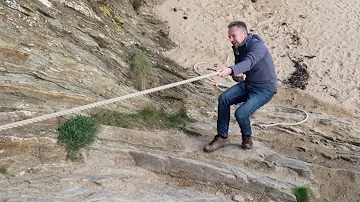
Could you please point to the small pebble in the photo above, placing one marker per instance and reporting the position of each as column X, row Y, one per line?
column 250, row 197
column 237, row 198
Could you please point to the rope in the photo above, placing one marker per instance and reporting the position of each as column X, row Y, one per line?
column 77, row 109
column 222, row 87
column 89, row 106
column 218, row 85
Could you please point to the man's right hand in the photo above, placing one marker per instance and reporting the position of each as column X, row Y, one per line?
column 225, row 71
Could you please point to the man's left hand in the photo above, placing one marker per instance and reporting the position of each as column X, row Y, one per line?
column 225, row 71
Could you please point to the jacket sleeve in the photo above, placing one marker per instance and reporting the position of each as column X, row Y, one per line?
column 237, row 79
column 256, row 52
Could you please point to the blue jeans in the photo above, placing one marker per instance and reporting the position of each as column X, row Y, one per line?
column 252, row 98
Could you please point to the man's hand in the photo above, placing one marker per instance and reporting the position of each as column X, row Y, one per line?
column 225, row 71
column 239, row 75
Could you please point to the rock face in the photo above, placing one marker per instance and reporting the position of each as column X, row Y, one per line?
column 60, row 54
column 115, row 159
column 129, row 186
column 212, row 173
column 299, row 167
column 167, row 164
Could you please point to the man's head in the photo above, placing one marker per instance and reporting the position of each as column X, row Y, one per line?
column 237, row 33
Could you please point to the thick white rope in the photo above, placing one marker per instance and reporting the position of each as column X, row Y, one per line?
column 222, row 87
column 89, row 106
column 77, row 109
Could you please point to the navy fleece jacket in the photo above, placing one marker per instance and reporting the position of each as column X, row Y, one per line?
column 255, row 61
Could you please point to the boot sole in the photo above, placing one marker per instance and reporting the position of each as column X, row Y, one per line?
column 209, row 151
column 246, row 146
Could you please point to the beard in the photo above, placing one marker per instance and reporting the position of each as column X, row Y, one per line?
column 241, row 44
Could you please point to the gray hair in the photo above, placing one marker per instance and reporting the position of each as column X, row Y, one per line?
column 239, row 24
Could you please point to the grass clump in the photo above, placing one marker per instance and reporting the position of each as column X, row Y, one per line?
column 141, row 71
column 3, row 170
column 304, row 194
column 149, row 118
column 78, row 132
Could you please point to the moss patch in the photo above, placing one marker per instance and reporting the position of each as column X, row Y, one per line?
column 149, row 118
column 141, row 71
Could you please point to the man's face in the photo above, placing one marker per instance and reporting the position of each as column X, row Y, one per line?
column 236, row 35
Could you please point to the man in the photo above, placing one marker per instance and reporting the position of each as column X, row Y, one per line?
column 252, row 59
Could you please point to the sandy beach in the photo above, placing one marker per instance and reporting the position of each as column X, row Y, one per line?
column 323, row 35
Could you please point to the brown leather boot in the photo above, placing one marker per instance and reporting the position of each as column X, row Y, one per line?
column 246, row 142
column 216, row 143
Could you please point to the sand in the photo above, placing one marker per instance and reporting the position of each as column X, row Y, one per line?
column 324, row 34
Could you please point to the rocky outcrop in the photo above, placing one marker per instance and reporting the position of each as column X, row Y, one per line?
column 59, row 54
column 213, row 173
column 118, row 153
column 127, row 186
column 167, row 163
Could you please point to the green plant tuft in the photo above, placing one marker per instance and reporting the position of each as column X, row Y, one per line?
column 302, row 194
column 78, row 132
column 3, row 170
column 149, row 118
column 305, row 194
column 141, row 71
